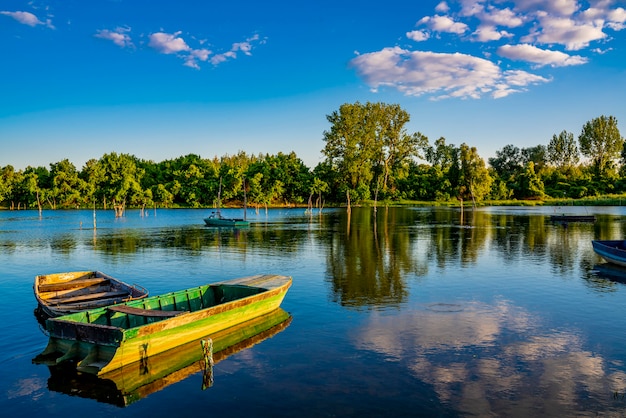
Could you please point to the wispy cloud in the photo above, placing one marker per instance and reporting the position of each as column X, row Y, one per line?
column 541, row 57
column 166, row 43
column 528, row 34
column 174, row 44
column 118, row 36
column 27, row 18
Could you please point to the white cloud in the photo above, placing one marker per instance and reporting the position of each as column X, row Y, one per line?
column 558, row 7
column 27, row 18
column 530, row 53
column 487, row 33
column 418, row 35
column 616, row 19
column 444, row 24
column 535, row 32
column 117, row 36
column 440, row 75
column 568, row 32
column 500, row 17
column 168, row 43
column 442, row 7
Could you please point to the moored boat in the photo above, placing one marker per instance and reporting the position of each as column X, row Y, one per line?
column 216, row 219
column 64, row 293
column 572, row 218
column 613, row 251
column 104, row 339
column 131, row 383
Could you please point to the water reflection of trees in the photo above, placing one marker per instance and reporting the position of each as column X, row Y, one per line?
column 369, row 255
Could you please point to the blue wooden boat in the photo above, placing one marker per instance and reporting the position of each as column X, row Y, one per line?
column 613, row 251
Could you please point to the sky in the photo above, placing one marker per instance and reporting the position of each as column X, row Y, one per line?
column 162, row 79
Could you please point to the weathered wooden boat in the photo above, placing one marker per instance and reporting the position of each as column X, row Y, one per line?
column 104, row 339
column 131, row 383
column 216, row 219
column 572, row 218
column 613, row 251
column 63, row 293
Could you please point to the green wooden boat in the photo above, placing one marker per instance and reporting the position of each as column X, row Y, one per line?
column 131, row 383
column 104, row 339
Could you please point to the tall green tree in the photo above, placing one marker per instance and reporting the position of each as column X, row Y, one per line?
column 66, row 186
column 394, row 147
column 529, row 184
column 507, row 163
column 538, row 155
column 444, row 160
column 474, row 180
column 562, row 150
column 120, row 181
column 350, row 147
column 601, row 142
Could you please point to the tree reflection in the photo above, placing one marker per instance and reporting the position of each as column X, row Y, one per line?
column 369, row 256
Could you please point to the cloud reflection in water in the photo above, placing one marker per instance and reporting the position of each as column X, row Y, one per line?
column 497, row 360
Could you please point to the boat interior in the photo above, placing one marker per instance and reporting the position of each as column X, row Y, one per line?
column 157, row 308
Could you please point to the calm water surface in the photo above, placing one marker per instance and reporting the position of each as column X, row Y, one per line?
column 402, row 312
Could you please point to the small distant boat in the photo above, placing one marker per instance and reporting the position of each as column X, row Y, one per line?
column 613, row 251
column 216, row 219
column 572, row 218
column 104, row 339
column 64, row 293
column 129, row 384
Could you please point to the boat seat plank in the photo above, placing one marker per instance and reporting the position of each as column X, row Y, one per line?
column 144, row 312
column 91, row 296
column 72, row 284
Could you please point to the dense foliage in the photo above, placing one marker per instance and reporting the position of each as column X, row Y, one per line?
column 369, row 155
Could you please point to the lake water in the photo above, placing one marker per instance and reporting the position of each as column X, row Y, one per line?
column 402, row 312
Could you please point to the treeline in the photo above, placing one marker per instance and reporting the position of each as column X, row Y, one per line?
column 369, row 155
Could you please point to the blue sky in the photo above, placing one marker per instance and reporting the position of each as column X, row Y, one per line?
column 161, row 79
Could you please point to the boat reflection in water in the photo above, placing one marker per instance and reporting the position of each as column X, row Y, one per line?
column 611, row 272
column 136, row 381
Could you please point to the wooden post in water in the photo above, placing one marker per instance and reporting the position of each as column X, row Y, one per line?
column 207, row 371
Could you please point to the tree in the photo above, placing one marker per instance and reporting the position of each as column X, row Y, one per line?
column 120, row 180
column 350, row 148
column 474, row 180
column 529, row 183
column 369, row 147
column 507, row 163
column 537, row 155
column 444, row 169
column 395, row 148
column 67, row 187
column 562, row 150
column 601, row 142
